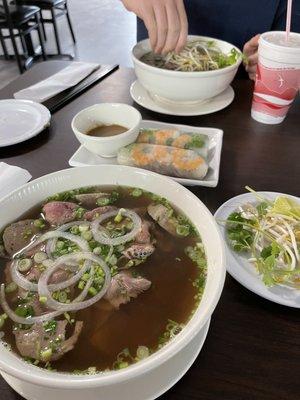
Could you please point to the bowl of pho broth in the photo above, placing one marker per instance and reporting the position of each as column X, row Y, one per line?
column 204, row 69
column 109, row 274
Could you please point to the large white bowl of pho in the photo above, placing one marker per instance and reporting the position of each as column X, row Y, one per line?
column 204, row 69
column 109, row 275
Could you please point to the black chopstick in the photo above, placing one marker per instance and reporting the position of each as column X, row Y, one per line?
column 60, row 100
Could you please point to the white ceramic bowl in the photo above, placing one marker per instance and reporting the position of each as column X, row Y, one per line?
column 107, row 114
column 35, row 383
column 176, row 86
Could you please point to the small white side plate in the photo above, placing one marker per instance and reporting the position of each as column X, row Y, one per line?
column 20, row 120
column 241, row 269
column 143, row 98
column 83, row 157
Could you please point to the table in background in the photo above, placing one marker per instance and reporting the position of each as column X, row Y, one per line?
column 252, row 351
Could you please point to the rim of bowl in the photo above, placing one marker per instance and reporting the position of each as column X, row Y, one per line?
column 106, row 138
column 188, row 73
column 69, row 381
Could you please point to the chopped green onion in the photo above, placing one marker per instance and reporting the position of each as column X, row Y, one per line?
column 62, row 297
column 81, row 285
column 142, row 352
column 24, row 265
column 97, row 250
column 48, row 263
column 87, row 235
column 39, row 257
column 123, row 364
column 50, row 326
column 93, row 291
column 11, row 287
column 119, row 216
column 86, row 277
column 24, row 311
column 46, row 354
column 74, row 230
column 103, row 201
column 83, row 228
column 43, row 299
column 60, row 245
column 183, row 230
column 136, row 192
column 39, row 223
column 79, row 212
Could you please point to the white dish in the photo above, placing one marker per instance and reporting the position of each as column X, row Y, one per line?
column 241, row 269
column 179, row 86
column 107, row 114
column 82, row 157
column 140, row 95
column 107, row 385
column 152, row 385
column 20, row 120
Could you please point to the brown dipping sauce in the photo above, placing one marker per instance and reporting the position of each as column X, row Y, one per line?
column 106, row 130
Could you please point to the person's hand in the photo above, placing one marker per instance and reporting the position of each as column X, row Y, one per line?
column 165, row 20
column 250, row 51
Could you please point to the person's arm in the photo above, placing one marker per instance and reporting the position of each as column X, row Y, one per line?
column 165, row 20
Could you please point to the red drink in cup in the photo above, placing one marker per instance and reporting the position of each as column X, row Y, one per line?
column 278, row 76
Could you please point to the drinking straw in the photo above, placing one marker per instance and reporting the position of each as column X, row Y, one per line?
column 288, row 19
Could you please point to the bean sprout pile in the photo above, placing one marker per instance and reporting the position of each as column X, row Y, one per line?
column 270, row 233
column 198, row 55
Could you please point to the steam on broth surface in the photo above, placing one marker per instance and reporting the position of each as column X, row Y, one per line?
column 112, row 275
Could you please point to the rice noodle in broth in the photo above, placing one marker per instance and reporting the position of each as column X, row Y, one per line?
column 90, row 263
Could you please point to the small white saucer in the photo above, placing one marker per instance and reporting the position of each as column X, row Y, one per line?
column 20, row 120
column 144, row 99
column 238, row 265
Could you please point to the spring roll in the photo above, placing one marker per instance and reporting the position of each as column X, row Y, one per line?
column 165, row 160
column 172, row 137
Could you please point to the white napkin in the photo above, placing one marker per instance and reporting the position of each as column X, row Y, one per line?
column 56, row 83
column 11, row 178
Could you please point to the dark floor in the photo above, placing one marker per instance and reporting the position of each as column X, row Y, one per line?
column 105, row 33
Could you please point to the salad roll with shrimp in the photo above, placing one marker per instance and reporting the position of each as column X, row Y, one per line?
column 165, row 160
column 175, row 138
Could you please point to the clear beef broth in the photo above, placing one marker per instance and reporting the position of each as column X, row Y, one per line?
column 143, row 320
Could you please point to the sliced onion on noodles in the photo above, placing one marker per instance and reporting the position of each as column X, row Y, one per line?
column 101, row 236
column 44, row 290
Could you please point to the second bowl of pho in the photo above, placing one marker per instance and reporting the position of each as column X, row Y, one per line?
column 204, row 69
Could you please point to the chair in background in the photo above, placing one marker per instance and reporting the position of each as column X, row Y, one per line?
column 20, row 21
column 57, row 9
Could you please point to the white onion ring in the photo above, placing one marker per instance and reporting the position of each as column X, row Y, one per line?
column 44, row 291
column 83, row 244
column 21, row 320
column 25, row 284
column 99, row 237
column 85, row 291
column 20, row 279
